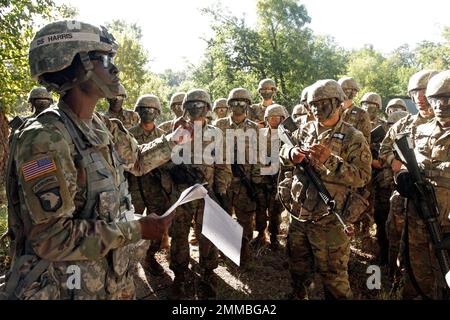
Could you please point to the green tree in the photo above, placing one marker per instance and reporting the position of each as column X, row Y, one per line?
column 17, row 27
column 279, row 47
column 132, row 61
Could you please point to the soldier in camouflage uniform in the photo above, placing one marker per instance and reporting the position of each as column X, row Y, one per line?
column 353, row 114
column 359, row 119
column 432, row 150
column 246, row 172
column 340, row 155
column 216, row 174
column 381, row 185
column 267, row 90
column 128, row 118
column 394, row 105
column 69, row 208
column 268, row 207
column 152, row 191
column 220, row 108
column 39, row 99
column 175, row 105
column 395, row 222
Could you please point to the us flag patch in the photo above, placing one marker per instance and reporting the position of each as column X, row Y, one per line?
column 36, row 168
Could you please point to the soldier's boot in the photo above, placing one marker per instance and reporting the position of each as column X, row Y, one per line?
column 297, row 294
column 177, row 290
column 260, row 240
column 208, row 285
column 153, row 266
column 274, row 243
column 165, row 242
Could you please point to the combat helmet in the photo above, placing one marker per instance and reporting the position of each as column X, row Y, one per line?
column 396, row 102
column 148, row 101
column 372, row 97
column 55, row 46
column 325, row 89
column 267, row 84
column 39, row 93
column 197, row 95
column 274, row 110
column 439, row 85
column 239, row 94
column 220, row 103
column 176, row 98
column 420, row 80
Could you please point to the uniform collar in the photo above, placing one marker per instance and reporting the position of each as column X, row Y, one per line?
column 97, row 135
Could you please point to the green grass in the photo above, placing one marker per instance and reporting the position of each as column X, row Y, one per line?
column 4, row 260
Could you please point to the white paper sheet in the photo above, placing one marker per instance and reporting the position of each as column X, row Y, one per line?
column 221, row 229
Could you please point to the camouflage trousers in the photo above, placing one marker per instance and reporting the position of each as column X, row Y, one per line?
column 156, row 202
column 244, row 208
column 179, row 231
column 365, row 222
column 394, row 228
column 381, row 206
column 323, row 247
column 422, row 259
column 268, row 207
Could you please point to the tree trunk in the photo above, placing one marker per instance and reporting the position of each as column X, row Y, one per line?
column 4, row 133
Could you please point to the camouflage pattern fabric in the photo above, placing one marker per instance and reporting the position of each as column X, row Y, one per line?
column 52, row 223
column 349, row 166
column 243, row 205
column 129, row 118
column 358, row 118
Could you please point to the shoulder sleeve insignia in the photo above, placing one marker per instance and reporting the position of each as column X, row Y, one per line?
column 339, row 135
column 50, row 199
column 37, row 168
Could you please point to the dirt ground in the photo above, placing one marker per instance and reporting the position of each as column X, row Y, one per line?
column 268, row 277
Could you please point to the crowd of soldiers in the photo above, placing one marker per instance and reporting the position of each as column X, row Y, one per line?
column 86, row 188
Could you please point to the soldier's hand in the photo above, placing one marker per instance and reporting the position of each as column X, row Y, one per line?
column 320, row 153
column 376, row 164
column 297, row 155
column 182, row 131
column 396, row 165
column 153, row 227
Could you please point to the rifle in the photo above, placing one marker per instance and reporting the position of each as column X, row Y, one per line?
column 424, row 200
column 239, row 172
column 284, row 130
column 183, row 174
column 377, row 134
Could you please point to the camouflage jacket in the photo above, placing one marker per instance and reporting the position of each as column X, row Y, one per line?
column 204, row 158
column 270, row 169
column 407, row 124
column 358, row 118
column 55, row 218
column 230, row 129
column 129, row 118
column 348, row 167
column 166, row 126
column 152, row 188
column 432, row 151
column 256, row 113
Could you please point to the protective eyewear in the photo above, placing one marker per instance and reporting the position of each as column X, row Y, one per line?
column 442, row 100
column 238, row 103
column 106, row 59
column 195, row 104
